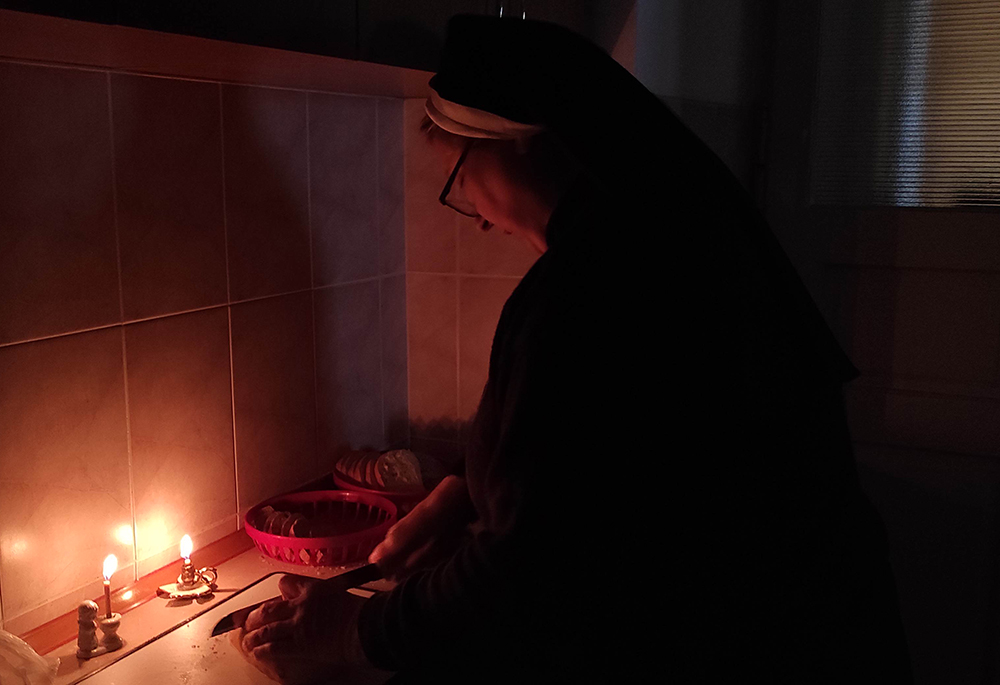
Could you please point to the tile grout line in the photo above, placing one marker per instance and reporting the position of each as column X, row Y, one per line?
column 229, row 308
column 114, row 201
column 121, row 71
column 121, row 315
column 225, row 218
column 461, row 275
column 312, row 287
column 378, row 251
column 232, row 402
column 206, row 308
column 406, row 277
column 131, row 466
column 309, row 226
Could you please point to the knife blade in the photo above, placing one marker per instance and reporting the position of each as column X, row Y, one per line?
column 344, row 582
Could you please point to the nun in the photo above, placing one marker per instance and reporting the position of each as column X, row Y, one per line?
column 660, row 471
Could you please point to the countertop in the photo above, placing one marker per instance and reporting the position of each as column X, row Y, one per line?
column 159, row 615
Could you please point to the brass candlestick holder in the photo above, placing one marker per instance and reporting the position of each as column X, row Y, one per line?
column 192, row 582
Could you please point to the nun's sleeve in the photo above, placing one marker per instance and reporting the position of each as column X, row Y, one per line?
column 511, row 591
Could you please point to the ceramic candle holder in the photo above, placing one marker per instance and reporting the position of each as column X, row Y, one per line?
column 109, row 626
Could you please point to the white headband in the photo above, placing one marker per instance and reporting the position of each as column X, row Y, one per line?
column 474, row 123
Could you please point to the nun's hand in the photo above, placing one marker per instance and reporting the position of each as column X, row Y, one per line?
column 428, row 533
column 311, row 634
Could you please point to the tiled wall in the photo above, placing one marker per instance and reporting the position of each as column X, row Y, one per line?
column 457, row 280
column 202, row 297
column 914, row 295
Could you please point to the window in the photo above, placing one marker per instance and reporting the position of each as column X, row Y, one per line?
column 907, row 106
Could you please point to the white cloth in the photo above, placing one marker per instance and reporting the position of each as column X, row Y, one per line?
column 475, row 123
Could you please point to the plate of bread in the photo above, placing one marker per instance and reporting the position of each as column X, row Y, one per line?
column 394, row 474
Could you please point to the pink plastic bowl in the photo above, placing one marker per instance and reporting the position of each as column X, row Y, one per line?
column 356, row 521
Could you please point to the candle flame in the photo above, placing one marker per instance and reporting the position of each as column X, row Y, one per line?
column 110, row 566
column 186, row 546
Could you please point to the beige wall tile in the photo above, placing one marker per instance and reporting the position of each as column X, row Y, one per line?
column 391, row 199
column 908, row 237
column 343, row 168
column 168, row 163
column 447, row 451
column 348, row 363
column 267, row 212
column 431, row 306
column 64, row 481
column 947, row 325
column 58, row 262
column 942, row 325
column 394, row 360
column 923, row 420
column 199, row 537
column 480, row 302
column 493, row 252
column 181, row 419
column 274, row 396
column 430, row 226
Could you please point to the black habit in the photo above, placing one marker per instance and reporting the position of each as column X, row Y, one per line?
column 660, row 461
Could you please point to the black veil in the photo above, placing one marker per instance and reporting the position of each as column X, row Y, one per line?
column 679, row 198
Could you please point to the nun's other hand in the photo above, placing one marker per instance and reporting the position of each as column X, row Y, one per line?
column 309, row 635
column 428, row 533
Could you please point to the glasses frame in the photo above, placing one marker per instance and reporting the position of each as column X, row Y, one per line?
column 443, row 198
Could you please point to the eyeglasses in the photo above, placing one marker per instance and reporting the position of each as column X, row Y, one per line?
column 458, row 202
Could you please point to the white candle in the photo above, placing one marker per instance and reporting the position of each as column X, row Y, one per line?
column 110, row 566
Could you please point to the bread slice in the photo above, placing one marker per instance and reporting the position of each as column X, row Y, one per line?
column 275, row 521
column 300, row 527
column 354, row 470
column 289, row 524
column 400, row 471
column 260, row 520
column 361, row 467
column 346, row 462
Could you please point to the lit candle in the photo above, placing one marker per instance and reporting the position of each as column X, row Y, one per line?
column 110, row 566
column 186, row 578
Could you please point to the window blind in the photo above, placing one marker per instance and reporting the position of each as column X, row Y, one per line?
column 907, row 104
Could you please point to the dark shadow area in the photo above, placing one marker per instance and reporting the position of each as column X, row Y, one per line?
column 402, row 43
column 319, row 27
column 101, row 11
column 943, row 554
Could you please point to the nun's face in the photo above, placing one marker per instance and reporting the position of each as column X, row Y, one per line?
column 496, row 179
